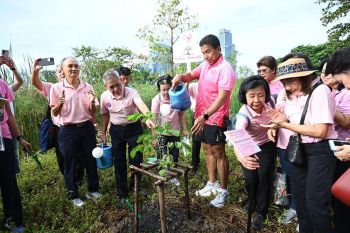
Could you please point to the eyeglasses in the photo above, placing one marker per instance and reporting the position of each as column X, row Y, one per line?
column 260, row 71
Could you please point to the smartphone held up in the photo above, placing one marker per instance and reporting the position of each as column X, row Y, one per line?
column 46, row 61
column 5, row 53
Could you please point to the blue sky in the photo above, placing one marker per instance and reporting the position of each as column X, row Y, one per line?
column 51, row 28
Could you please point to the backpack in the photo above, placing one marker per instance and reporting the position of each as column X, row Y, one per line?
column 47, row 132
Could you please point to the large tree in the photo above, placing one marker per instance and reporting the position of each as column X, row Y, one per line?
column 317, row 53
column 335, row 14
column 95, row 62
column 170, row 20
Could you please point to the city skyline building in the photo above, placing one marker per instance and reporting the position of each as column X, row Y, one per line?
column 227, row 46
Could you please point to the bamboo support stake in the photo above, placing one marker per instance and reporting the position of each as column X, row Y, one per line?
column 148, row 173
column 187, row 197
column 160, row 188
column 136, row 205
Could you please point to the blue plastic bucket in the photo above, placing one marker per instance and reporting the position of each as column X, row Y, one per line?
column 106, row 160
column 180, row 98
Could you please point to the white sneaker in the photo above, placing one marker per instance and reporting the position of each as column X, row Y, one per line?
column 220, row 199
column 289, row 216
column 78, row 202
column 174, row 181
column 209, row 189
column 93, row 195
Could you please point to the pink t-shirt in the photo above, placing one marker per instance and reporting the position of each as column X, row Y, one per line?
column 321, row 110
column 121, row 106
column 76, row 108
column 275, row 87
column 193, row 91
column 283, row 135
column 212, row 79
column 342, row 102
column 253, row 128
column 5, row 93
column 172, row 118
column 46, row 93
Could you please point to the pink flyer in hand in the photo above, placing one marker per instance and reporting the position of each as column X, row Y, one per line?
column 242, row 142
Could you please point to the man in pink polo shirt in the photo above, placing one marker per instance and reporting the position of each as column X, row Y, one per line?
column 44, row 89
column 216, row 79
column 74, row 101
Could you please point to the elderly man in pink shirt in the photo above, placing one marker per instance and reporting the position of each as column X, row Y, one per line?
column 216, row 79
column 117, row 102
column 74, row 101
column 44, row 89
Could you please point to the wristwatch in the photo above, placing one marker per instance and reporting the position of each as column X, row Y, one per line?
column 206, row 116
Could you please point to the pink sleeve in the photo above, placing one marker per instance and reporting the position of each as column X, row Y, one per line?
column 227, row 79
column 54, row 95
column 155, row 108
column 241, row 122
column 320, row 101
column 136, row 97
column 104, row 109
column 8, row 93
column 281, row 99
column 197, row 71
column 46, row 89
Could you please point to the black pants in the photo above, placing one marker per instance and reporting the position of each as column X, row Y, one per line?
column 341, row 211
column 163, row 147
column 11, row 198
column 79, row 171
column 122, row 135
column 74, row 142
column 259, row 181
column 312, row 182
column 196, row 150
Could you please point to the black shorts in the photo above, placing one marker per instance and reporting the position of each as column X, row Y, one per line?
column 212, row 134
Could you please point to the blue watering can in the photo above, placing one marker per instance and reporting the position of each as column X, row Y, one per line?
column 180, row 98
column 104, row 161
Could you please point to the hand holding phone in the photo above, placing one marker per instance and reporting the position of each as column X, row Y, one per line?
column 334, row 143
column 46, row 61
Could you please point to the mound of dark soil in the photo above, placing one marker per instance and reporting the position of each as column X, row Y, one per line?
column 176, row 220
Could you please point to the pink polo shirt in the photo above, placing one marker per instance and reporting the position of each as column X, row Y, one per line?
column 321, row 110
column 253, row 128
column 283, row 135
column 46, row 93
column 5, row 93
column 193, row 91
column 212, row 79
column 342, row 102
column 173, row 118
column 76, row 108
column 121, row 106
column 275, row 87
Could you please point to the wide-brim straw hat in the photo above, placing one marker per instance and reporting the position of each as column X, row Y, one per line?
column 293, row 68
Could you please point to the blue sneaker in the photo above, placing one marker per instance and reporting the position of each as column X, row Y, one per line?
column 18, row 229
